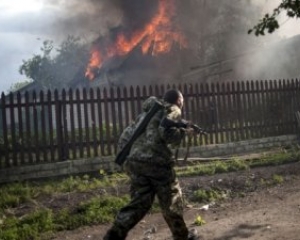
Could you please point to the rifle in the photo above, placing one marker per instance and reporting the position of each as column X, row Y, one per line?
column 168, row 123
column 121, row 156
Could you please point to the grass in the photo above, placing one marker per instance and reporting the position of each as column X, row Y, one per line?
column 43, row 221
column 199, row 221
column 275, row 180
column 14, row 194
column 238, row 165
column 97, row 210
column 207, row 196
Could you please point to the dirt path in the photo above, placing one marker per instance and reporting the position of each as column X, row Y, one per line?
column 264, row 213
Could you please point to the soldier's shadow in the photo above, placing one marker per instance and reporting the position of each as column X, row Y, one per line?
column 241, row 231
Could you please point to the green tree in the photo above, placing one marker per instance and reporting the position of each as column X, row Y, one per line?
column 18, row 85
column 270, row 23
column 38, row 68
column 55, row 68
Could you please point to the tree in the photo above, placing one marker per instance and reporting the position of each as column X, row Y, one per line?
column 38, row 68
column 18, row 85
column 270, row 23
column 55, row 70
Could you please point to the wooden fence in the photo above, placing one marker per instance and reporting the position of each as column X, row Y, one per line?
column 54, row 126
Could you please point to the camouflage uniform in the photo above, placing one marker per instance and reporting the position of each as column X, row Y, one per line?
column 150, row 167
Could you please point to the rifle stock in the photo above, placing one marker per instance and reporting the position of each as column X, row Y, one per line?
column 122, row 155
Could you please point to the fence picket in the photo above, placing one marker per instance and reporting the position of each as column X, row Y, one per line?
column 100, row 121
column 36, row 128
column 113, row 119
column 13, row 129
column 43, row 142
column 86, row 118
column 225, row 114
column 5, row 148
column 79, row 121
column 65, row 147
column 93, row 123
column 107, row 122
column 21, row 134
column 120, row 112
column 72, row 125
column 28, row 128
column 51, row 128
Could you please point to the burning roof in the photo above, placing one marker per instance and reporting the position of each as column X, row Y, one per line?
column 154, row 36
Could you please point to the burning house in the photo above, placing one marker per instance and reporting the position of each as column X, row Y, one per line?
column 142, row 42
column 146, row 48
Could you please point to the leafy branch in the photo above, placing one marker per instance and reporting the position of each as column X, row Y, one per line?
column 270, row 23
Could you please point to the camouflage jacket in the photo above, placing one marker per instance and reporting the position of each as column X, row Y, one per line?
column 155, row 143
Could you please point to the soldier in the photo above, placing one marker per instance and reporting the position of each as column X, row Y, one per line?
column 150, row 166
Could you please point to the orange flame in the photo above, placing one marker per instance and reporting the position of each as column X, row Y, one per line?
column 95, row 62
column 155, row 38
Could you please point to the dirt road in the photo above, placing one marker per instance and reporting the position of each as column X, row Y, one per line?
column 265, row 211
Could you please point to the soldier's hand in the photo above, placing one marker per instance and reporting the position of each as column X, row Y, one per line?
column 190, row 131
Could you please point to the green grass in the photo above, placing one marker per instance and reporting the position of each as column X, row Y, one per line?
column 27, row 227
column 220, row 166
column 41, row 222
column 275, row 180
column 95, row 211
column 14, row 194
column 207, row 196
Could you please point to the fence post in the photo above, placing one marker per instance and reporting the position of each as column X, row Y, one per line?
column 4, row 125
column 59, row 127
column 64, row 129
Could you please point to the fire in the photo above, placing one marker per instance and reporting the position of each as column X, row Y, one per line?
column 156, row 37
column 95, row 61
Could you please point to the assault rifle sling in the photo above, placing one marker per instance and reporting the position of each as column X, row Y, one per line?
column 121, row 156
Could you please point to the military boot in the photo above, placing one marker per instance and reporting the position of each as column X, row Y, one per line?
column 114, row 235
column 193, row 235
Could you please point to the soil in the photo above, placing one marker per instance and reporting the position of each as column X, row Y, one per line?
column 258, row 206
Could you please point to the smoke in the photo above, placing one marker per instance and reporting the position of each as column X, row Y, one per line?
column 216, row 32
column 137, row 12
column 223, row 50
column 274, row 56
column 83, row 18
column 93, row 18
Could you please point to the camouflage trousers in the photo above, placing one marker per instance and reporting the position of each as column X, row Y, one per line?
column 148, row 181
